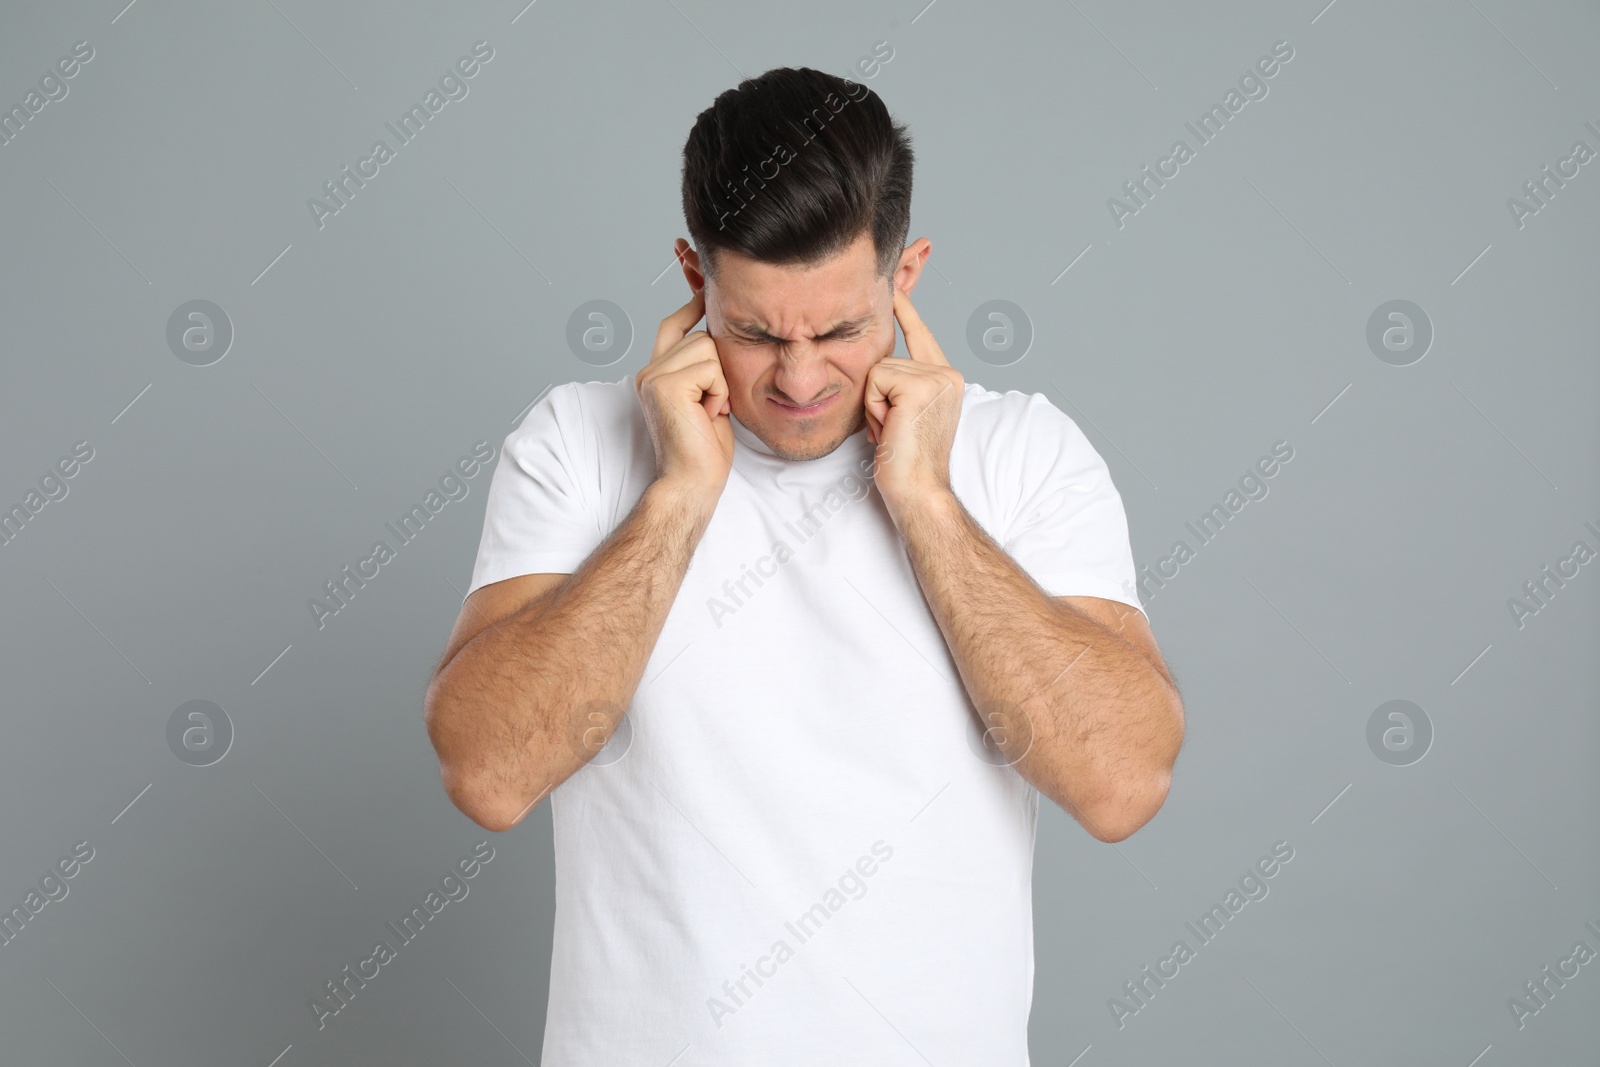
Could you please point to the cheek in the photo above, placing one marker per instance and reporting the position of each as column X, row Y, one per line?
column 865, row 356
column 745, row 369
column 742, row 367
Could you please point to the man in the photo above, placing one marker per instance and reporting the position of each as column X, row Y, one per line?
column 860, row 613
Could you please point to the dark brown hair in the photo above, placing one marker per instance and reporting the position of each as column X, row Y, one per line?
column 791, row 167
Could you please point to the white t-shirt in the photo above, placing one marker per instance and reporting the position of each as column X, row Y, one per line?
column 797, row 849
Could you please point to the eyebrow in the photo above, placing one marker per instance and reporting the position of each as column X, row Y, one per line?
column 754, row 330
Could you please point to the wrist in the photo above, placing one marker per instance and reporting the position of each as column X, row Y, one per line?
column 688, row 500
column 937, row 504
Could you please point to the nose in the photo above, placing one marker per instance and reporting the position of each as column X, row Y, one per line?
column 802, row 377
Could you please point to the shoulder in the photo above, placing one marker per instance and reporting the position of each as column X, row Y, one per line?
column 576, row 404
column 575, row 413
column 1025, row 429
column 1019, row 457
column 1048, row 495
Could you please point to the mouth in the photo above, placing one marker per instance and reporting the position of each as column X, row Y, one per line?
column 805, row 412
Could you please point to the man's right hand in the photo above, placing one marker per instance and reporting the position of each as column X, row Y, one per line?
column 684, row 397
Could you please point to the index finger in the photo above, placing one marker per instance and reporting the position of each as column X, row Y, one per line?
column 676, row 325
column 919, row 339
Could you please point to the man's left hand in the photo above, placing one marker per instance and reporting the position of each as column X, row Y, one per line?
column 913, row 406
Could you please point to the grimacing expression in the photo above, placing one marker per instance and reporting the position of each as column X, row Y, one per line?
column 796, row 343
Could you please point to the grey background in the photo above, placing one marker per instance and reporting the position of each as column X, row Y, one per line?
column 1227, row 315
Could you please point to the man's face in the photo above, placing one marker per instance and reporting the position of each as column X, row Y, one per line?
column 796, row 343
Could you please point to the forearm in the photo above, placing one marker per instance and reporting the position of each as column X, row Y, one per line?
column 525, row 703
column 1080, row 712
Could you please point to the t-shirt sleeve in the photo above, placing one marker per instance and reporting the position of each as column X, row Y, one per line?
column 1069, row 531
column 540, row 517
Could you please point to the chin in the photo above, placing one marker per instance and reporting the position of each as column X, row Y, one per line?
column 800, row 452
column 821, row 441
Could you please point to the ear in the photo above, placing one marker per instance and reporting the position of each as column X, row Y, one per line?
column 690, row 259
column 912, row 260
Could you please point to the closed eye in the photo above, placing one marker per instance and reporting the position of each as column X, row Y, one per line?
column 748, row 334
column 851, row 336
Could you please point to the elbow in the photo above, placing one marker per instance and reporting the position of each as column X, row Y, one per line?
column 1121, row 817
column 1134, row 800
column 465, row 781
column 478, row 797
column 477, row 803
column 494, row 822
column 1110, row 836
